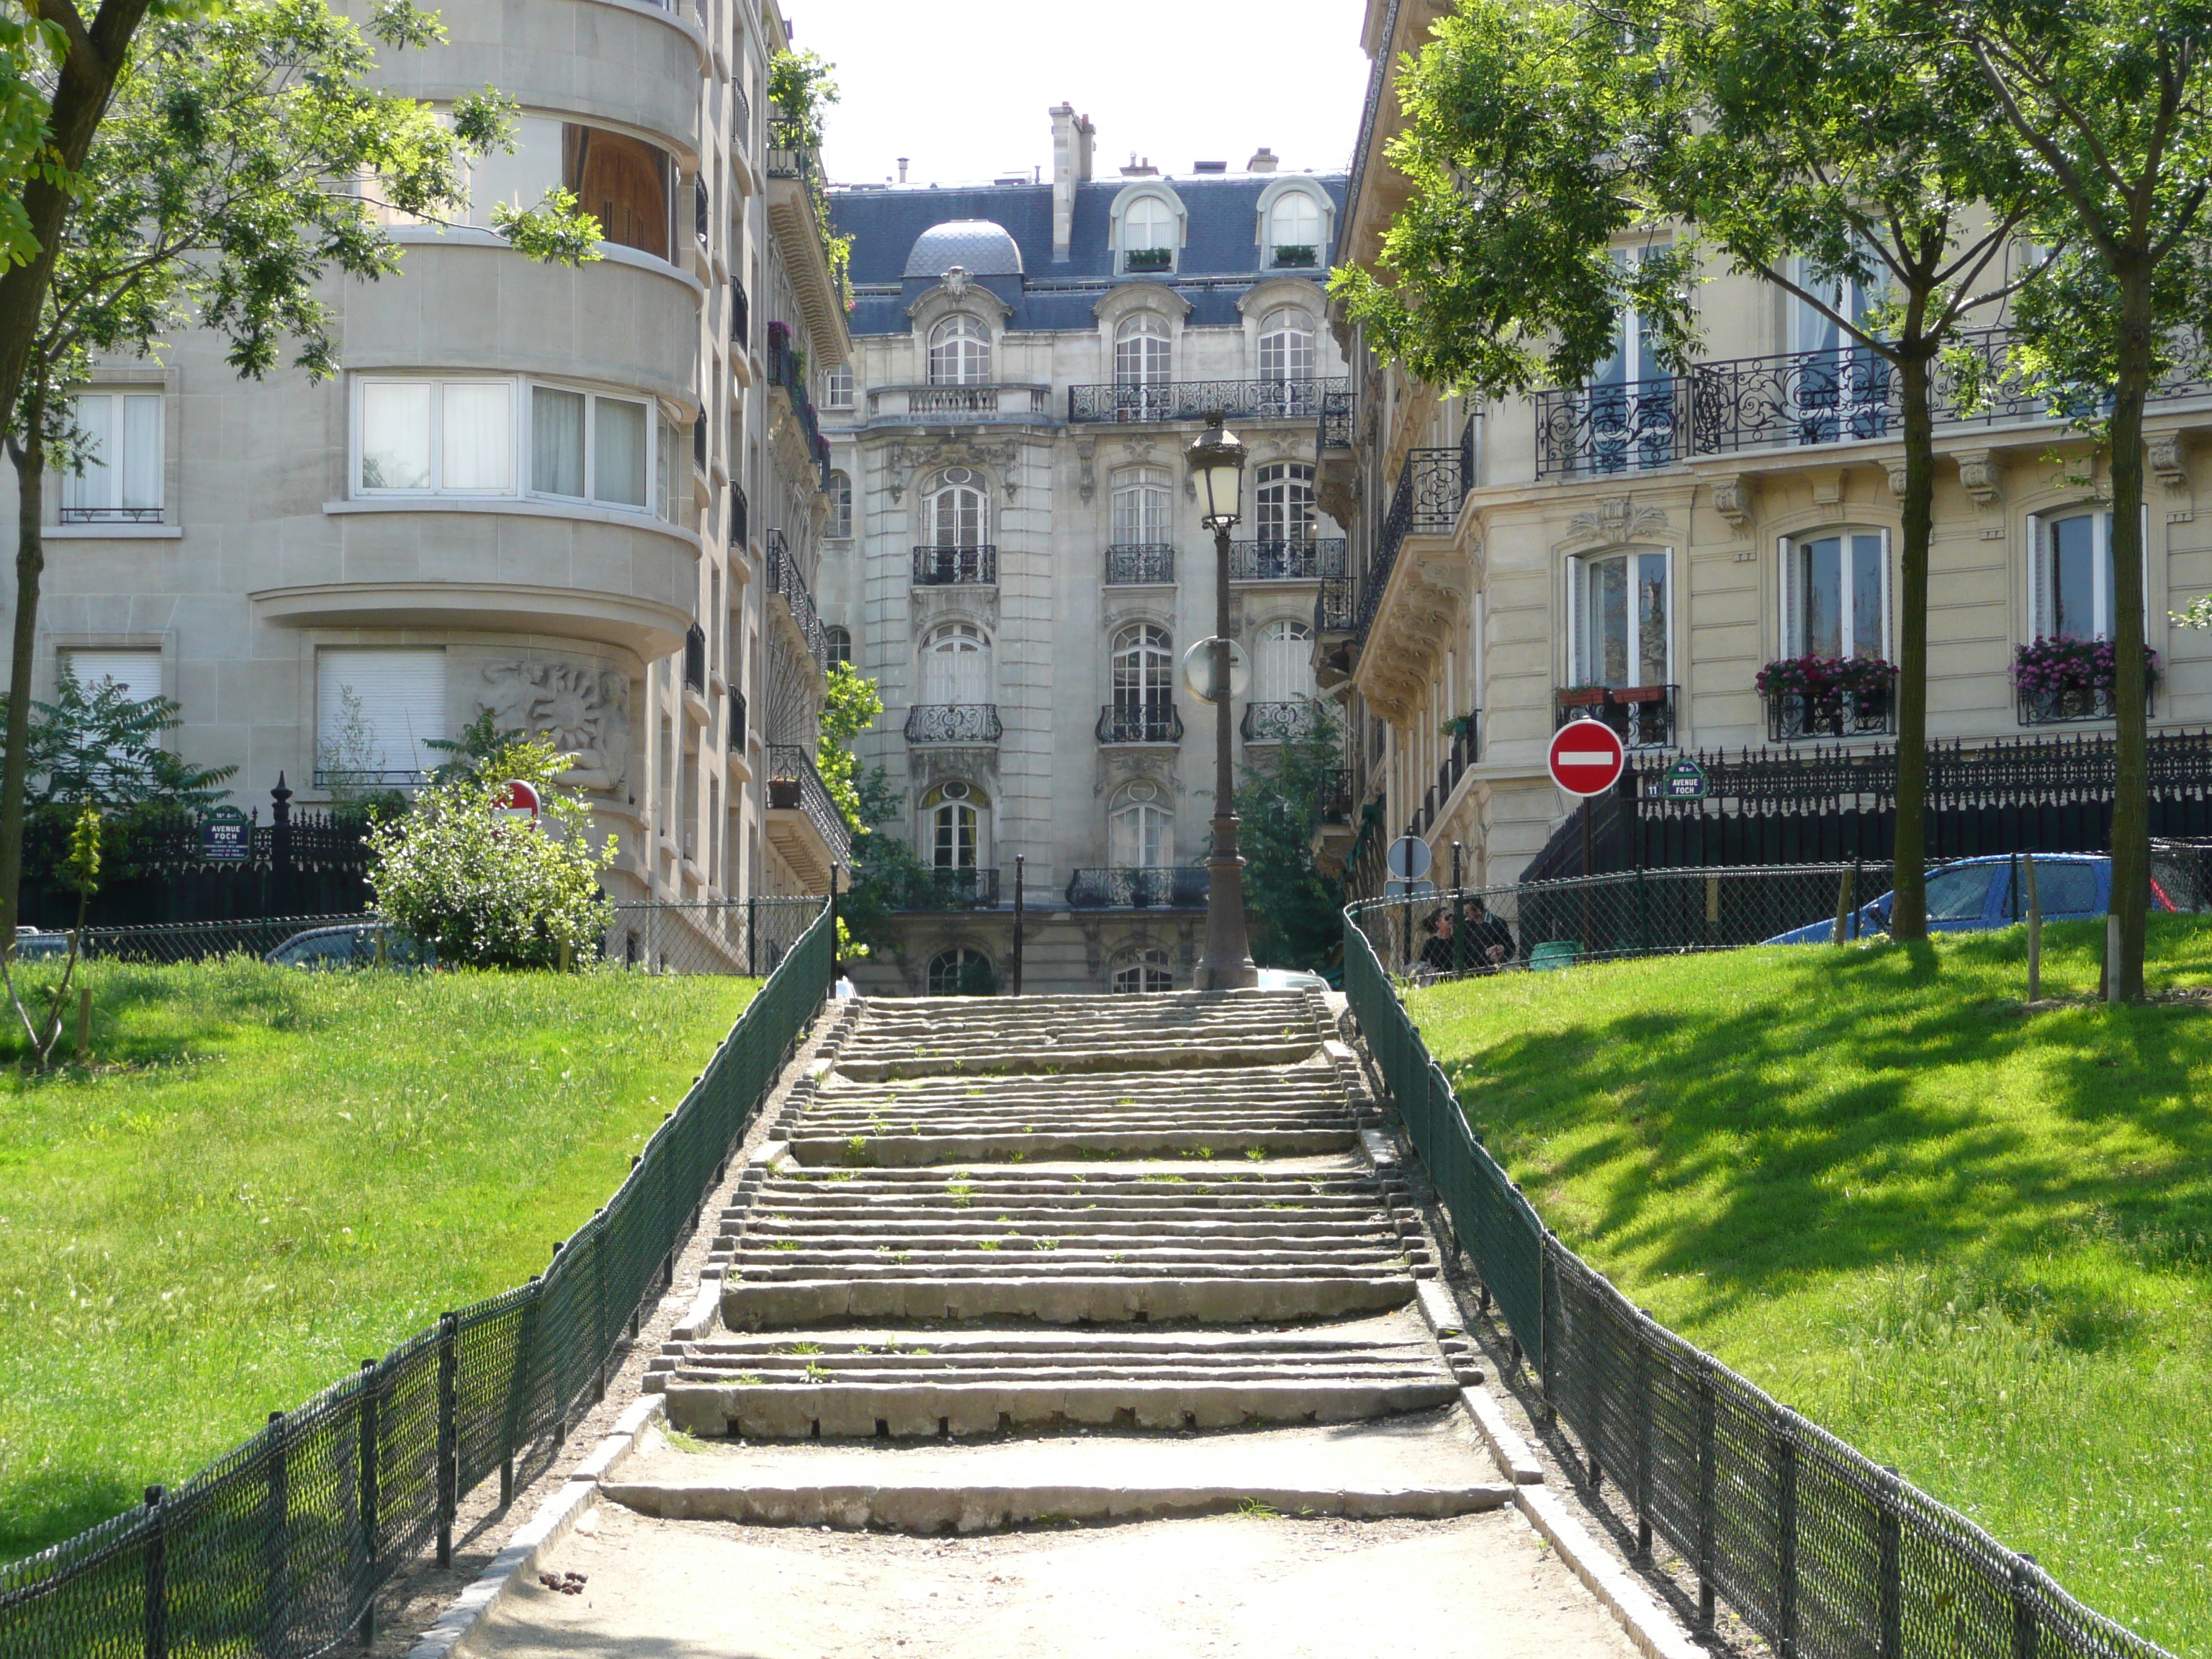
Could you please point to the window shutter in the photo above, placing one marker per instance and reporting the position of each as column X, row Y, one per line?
column 402, row 695
column 138, row 672
column 2038, row 579
column 1786, row 590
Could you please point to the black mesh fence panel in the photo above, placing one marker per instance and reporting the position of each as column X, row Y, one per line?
column 276, row 1549
column 1823, row 1554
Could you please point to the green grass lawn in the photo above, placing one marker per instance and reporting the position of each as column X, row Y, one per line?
column 271, row 1176
column 1976, row 1243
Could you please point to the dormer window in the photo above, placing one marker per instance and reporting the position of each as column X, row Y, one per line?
column 1287, row 346
column 1148, row 235
column 960, row 352
column 1294, row 233
column 1140, row 350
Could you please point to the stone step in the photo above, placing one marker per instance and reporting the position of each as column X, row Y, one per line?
column 1247, row 1294
column 877, row 1062
column 878, row 1150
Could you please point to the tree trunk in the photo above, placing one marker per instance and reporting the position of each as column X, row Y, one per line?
column 2130, row 700
column 1908, row 912
column 30, row 458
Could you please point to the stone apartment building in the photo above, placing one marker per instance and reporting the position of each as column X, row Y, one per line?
column 1638, row 548
column 588, row 499
column 1013, row 551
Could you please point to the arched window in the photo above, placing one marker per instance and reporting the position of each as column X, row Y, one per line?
column 840, row 641
column 837, row 387
column 1285, row 506
column 960, row 352
column 1287, row 346
column 1140, row 830
column 1140, row 971
column 1282, row 666
column 955, row 509
column 1144, row 668
column 1141, row 495
column 1148, row 235
column 841, row 506
column 1294, row 230
column 1140, row 350
column 956, row 665
column 962, row 971
column 952, row 825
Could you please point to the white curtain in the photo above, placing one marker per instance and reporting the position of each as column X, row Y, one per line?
column 477, row 439
column 141, row 450
column 395, row 435
column 618, row 451
column 94, row 487
column 556, row 441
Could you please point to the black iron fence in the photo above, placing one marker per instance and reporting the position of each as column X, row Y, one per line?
column 1139, row 564
column 1333, row 431
column 1335, row 612
column 1819, row 1549
column 1193, row 400
column 1306, row 560
column 1642, row 716
column 938, row 890
column 1170, row 887
column 1847, row 712
column 281, row 1546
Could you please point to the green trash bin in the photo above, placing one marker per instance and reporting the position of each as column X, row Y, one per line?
column 1555, row 953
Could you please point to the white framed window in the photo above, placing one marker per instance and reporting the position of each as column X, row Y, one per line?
column 1148, row 234
column 1140, row 830
column 1282, row 664
column 138, row 673
column 1144, row 668
column 121, row 479
column 1284, row 503
column 431, row 437
column 839, row 641
column 596, row 447
column 1141, row 350
column 952, row 815
column 1286, row 345
column 1621, row 613
column 960, row 352
column 1143, row 971
column 954, row 511
column 956, row 665
column 837, row 387
column 2071, row 575
column 1294, row 225
column 962, row 970
column 1142, row 495
column 841, row 506
column 376, row 709
column 1835, row 594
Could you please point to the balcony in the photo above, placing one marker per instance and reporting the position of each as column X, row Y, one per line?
column 1139, row 723
column 942, row 890
column 1335, row 832
column 1334, row 429
column 1844, row 712
column 736, row 722
column 798, row 217
column 2082, row 702
column 951, row 567
column 111, row 515
column 1430, row 487
column 1163, row 887
column 737, row 507
column 1193, row 400
column 695, row 659
column 964, row 405
column 1295, row 255
column 1334, row 611
column 953, row 722
column 1140, row 565
column 785, row 584
column 1642, row 716
column 1305, row 561
column 741, row 316
column 783, row 370
column 1280, row 722
column 804, row 824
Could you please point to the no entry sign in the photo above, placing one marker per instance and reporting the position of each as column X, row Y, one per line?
column 1586, row 758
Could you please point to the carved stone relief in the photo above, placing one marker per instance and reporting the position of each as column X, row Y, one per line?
column 1119, row 768
column 583, row 709
column 935, row 763
column 1616, row 520
column 1086, row 456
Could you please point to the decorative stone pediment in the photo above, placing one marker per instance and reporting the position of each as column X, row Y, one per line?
column 1119, row 768
column 928, row 765
column 908, row 458
column 1619, row 518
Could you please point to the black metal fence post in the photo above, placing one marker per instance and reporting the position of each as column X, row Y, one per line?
column 1643, row 1475
column 1708, row 1482
column 1018, row 861
column 602, row 1338
column 1458, row 911
column 369, row 1443
column 449, row 1439
column 2024, row 1635
column 832, row 990
column 276, row 1541
column 1889, row 1544
column 156, row 1630
column 1785, row 1537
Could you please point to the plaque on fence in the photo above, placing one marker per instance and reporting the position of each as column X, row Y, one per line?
column 1684, row 781
column 225, row 836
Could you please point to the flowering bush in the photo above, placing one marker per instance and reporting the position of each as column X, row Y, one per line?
column 489, row 890
column 1825, row 679
column 2067, row 664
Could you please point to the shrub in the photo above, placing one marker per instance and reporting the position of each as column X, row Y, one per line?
column 1825, row 679
column 2067, row 664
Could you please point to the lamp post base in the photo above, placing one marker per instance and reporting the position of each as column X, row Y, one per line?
column 1227, row 964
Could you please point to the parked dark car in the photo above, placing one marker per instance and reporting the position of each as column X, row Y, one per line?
column 352, row 946
column 1974, row 896
column 31, row 943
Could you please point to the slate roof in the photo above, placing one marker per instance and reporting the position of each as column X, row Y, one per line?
column 899, row 234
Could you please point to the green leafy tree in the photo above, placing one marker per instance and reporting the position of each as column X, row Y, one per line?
column 101, row 746
column 81, row 874
column 802, row 86
column 235, row 159
column 2108, row 104
column 483, row 889
column 479, row 753
column 852, row 705
column 1297, row 913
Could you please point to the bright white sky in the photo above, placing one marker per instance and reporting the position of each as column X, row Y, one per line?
column 962, row 90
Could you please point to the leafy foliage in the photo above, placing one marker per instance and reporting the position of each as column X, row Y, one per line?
column 1296, row 912
column 851, row 706
column 102, row 747
column 479, row 754
column 483, row 890
column 800, row 86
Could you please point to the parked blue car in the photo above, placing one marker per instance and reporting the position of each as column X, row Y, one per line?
column 1977, row 895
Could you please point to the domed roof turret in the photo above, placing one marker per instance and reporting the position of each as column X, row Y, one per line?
column 981, row 247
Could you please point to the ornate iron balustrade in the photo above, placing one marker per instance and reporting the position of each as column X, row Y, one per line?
column 953, row 722
column 1279, row 722
column 2056, row 707
column 1303, row 560
column 1333, row 610
column 1642, row 716
column 942, row 889
column 1849, row 712
column 736, row 721
column 1843, row 396
column 741, row 118
column 1140, row 565
column 793, row 784
column 1333, row 431
column 1139, row 723
column 741, row 316
column 1626, row 426
column 111, row 515
column 1193, row 400
column 737, row 510
column 789, row 155
column 1336, row 805
column 695, row 658
column 1167, row 887
column 946, row 567
column 1432, row 486
column 785, row 583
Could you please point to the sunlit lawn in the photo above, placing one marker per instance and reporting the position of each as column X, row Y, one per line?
column 272, row 1174
column 1975, row 1243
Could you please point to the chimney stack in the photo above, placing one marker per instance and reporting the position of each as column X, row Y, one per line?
column 1263, row 160
column 1072, row 135
column 901, row 161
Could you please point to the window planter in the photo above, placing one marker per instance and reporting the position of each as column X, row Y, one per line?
column 1292, row 255
column 1829, row 698
column 1148, row 258
column 2072, row 679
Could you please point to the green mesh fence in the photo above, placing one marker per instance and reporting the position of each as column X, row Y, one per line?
column 1823, row 1554
column 278, row 1546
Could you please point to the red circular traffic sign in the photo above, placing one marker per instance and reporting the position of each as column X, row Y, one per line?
column 520, row 800
column 1586, row 758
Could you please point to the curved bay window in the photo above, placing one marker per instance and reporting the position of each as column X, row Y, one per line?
column 622, row 182
column 960, row 352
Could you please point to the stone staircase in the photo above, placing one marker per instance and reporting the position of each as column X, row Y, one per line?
column 1048, row 1215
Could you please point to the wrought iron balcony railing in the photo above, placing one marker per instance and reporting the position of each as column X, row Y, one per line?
column 794, row 785
column 1303, row 560
column 1279, row 722
column 953, row 722
column 741, row 316
column 1168, row 887
column 737, row 510
column 789, row 155
column 1333, row 431
column 1193, row 400
column 1334, row 611
column 111, row 515
column 1336, row 805
column 695, row 658
column 945, row 567
column 2057, row 707
column 1139, row 723
column 1871, row 712
column 736, row 720
column 1642, row 715
column 785, row 583
column 1139, row 564
column 942, row 889
column 1431, row 485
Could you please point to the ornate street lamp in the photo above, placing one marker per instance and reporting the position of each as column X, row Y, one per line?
column 1217, row 466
